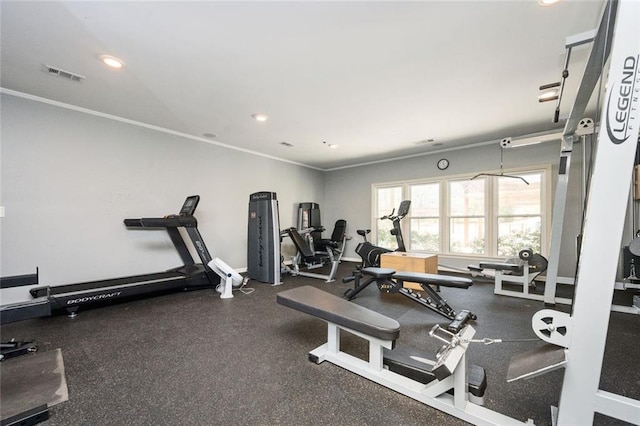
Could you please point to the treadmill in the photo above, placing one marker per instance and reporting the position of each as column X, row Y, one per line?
column 190, row 276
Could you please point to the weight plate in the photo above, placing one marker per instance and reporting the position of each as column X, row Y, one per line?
column 525, row 254
column 634, row 246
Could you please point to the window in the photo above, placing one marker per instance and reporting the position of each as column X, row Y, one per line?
column 388, row 199
column 485, row 216
column 467, row 216
column 425, row 217
column 519, row 214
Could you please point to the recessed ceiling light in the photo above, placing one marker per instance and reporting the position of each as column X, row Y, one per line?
column 112, row 61
column 260, row 117
column 330, row 145
column 547, row 2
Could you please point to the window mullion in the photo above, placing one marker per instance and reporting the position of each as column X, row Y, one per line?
column 492, row 217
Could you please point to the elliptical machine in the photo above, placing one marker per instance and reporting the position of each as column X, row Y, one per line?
column 369, row 253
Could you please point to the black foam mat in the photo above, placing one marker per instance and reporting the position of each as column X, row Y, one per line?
column 30, row 381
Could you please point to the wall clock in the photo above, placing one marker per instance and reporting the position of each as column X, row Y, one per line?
column 443, row 164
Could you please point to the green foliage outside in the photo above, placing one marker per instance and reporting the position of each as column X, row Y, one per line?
column 425, row 241
column 511, row 244
column 508, row 245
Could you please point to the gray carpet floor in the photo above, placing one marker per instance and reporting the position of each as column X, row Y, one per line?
column 194, row 359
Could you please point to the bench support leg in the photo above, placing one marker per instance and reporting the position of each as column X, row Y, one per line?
column 433, row 394
column 351, row 293
column 333, row 338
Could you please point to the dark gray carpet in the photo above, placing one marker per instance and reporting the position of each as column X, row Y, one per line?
column 194, row 359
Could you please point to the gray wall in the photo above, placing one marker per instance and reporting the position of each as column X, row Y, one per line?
column 70, row 178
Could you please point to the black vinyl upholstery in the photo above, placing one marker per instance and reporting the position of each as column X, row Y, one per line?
column 337, row 236
column 300, row 243
column 334, row 309
column 432, row 279
column 419, row 277
column 499, row 266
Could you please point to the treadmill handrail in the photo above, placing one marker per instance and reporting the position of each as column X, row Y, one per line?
column 162, row 222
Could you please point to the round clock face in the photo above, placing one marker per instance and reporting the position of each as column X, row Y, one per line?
column 443, row 164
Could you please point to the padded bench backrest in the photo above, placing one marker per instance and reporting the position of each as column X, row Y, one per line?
column 300, row 243
column 336, row 310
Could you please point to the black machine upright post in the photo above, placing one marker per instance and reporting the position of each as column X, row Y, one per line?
column 263, row 245
column 309, row 217
column 180, row 245
column 403, row 210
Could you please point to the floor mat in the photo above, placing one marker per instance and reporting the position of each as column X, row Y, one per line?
column 29, row 381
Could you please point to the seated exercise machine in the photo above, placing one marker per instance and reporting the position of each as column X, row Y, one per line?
column 369, row 253
column 190, row 276
column 390, row 281
column 523, row 270
column 320, row 253
column 446, row 383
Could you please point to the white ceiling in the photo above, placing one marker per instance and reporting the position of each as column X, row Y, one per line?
column 373, row 77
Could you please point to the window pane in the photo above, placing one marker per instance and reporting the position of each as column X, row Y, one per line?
column 387, row 200
column 425, row 200
column 467, row 235
column 425, row 234
column 518, row 233
column 467, row 197
column 517, row 198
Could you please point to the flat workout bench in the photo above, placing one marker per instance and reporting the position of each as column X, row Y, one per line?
column 382, row 332
column 379, row 330
column 335, row 310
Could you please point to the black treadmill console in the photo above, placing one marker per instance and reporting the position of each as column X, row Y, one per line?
column 404, row 208
column 189, row 206
column 184, row 218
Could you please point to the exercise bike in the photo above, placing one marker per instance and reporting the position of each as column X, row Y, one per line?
column 369, row 253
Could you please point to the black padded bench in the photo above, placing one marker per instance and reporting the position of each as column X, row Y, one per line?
column 433, row 279
column 530, row 265
column 333, row 309
column 497, row 266
column 390, row 281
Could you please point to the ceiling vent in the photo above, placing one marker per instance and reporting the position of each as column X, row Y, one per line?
column 57, row 72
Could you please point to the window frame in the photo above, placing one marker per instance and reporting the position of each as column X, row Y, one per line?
column 491, row 209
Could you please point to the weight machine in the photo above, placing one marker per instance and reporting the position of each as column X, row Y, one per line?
column 580, row 338
column 574, row 341
column 522, row 271
column 314, row 258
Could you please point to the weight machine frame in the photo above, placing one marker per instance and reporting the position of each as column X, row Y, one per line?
column 581, row 397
